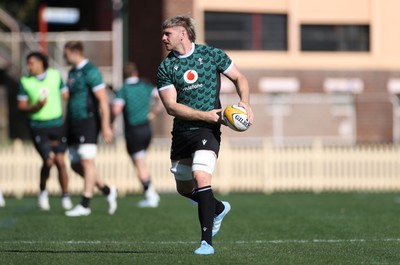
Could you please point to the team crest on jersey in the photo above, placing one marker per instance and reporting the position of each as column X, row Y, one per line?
column 190, row 76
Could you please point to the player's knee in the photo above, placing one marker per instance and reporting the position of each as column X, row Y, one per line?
column 181, row 172
column 204, row 160
column 184, row 190
column 202, row 178
column 82, row 152
column 49, row 162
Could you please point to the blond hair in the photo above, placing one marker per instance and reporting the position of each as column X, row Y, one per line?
column 183, row 21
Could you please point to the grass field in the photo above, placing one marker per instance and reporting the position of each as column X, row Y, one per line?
column 285, row 228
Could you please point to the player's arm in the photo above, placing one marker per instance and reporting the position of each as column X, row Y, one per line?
column 65, row 95
column 242, row 88
column 168, row 97
column 118, row 102
column 156, row 105
column 117, row 108
column 101, row 95
column 23, row 101
column 64, row 90
column 23, row 105
column 118, row 105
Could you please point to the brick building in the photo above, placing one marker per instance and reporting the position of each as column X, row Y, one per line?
column 317, row 69
column 325, row 70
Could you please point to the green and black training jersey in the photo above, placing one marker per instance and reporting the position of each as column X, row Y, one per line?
column 83, row 80
column 136, row 97
column 196, row 78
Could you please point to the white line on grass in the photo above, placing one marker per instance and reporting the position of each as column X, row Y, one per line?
column 287, row 241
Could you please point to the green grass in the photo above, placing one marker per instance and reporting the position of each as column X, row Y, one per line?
column 287, row 228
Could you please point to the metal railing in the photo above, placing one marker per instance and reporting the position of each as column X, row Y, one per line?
column 98, row 48
column 10, row 52
column 16, row 42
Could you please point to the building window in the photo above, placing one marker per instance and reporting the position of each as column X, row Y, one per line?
column 354, row 38
column 246, row 31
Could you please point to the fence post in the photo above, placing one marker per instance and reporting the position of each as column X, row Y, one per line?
column 225, row 167
column 317, row 166
column 17, row 154
column 268, row 167
column 122, row 167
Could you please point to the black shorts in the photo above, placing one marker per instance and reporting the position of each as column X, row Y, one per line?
column 49, row 139
column 84, row 131
column 138, row 137
column 185, row 143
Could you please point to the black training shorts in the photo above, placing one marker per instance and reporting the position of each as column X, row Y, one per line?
column 137, row 137
column 84, row 131
column 49, row 139
column 185, row 143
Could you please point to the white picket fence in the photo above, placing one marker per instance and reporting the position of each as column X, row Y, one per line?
column 244, row 165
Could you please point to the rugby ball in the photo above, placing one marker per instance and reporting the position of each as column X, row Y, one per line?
column 235, row 117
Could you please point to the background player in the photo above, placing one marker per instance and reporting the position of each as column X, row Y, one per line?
column 40, row 96
column 135, row 100
column 188, row 81
column 2, row 201
column 88, row 111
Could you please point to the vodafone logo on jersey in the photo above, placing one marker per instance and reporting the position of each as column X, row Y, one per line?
column 190, row 76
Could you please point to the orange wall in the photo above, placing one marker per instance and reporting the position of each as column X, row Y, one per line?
column 336, row 11
column 381, row 15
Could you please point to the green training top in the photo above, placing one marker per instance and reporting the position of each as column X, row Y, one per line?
column 83, row 80
column 34, row 88
column 196, row 78
column 135, row 95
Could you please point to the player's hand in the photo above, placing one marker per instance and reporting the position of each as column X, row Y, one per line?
column 107, row 134
column 43, row 101
column 247, row 107
column 40, row 104
column 221, row 118
column 214, row 116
